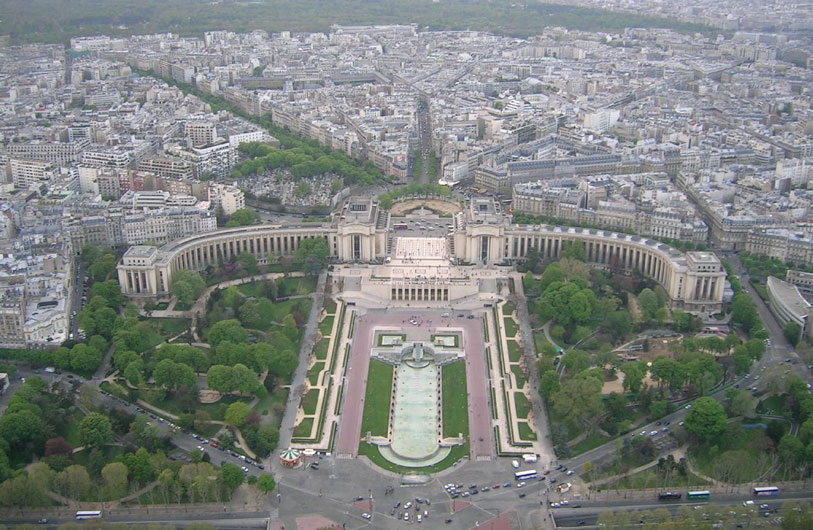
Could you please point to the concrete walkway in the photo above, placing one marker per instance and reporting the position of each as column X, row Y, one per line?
column 294, row 399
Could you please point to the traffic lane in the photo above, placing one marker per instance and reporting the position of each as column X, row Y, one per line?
column 570, row 517
column 232, row 520
column 180, row 438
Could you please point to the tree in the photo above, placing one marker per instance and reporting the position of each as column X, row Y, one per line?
column 706, row 420
column 573, row 250
column 266, row 483
column 248, row 262
column 243, row 217
column 743, row 403
column 73, row 482
column 553, row 273
column 58, row 446
column 20, row 427
column 578, row 399
column 792, row 332
column 648, row 302
column 187, row 285
column 575, row 361
column 90, row 254
column 616, row 405
column 85, row 359
column 548, row 384
column 95, row 430
column 172, row 375
column 231, row 476
column 634, row 373
column 227, row 330
column 237, row 413
column 790, row 450
column 312, row 255
column 743, row 311
column 115, row 479
column 618, row 323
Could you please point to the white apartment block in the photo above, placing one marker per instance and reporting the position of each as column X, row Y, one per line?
column 227, row 198
column 200, row 133
column 31, row 174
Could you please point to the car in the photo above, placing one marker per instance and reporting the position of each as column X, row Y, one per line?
column 496, row 486
column 748, row 503
column 555, row 505
column 407, row 506
column 521, row 495
column 465, row 494
column 485, row 488
column 540, row 479
column 582, row 523
column 653, row 433
column 245, row 469
column 506, row 485
column 657, row 423
column 366, row 516
column 680, row 424
column 553, row 480
column 397, row 504
column 475, row 492
column 521, row 485
column 764, row 507
column 426, row 501
column 359, row 498
column 392, row 512
column 688, row 406
column 569, row 473
column 564, row 503
column 419, row 518
column 547, row 472
column 448, row 521
column 42, row 521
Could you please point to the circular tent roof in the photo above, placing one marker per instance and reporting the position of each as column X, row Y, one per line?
column 289, row 454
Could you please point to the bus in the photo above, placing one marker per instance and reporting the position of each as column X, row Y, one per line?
column 400, row 226
column 694, row 495
column 525, row 475
column 767, row 491
column 88, row 514
column 669, row 496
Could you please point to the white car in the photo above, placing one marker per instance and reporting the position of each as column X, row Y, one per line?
column 570, row 472
column 366, row 516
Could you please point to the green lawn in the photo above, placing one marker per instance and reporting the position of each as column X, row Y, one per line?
column 310, row 400
column 380, row 339
column 181, row 306
column 172, row 326
column 456, row 338
column 739, row 458
column 265, row 405
column 303, row 430
column 593, row 440
column 329, row 306
column 371, row 451
column 71, row 433
column 296, row 286
column 523, row 405
column 525, row 431
column 455, row 406
column 376, row 417
column 215, row 410
column 517, row 370
column 540, row 341
column 313, row 373
column 508, row 308
column 326, row 326
column 511, row 327
column 514, row 351
column 320, row 350
column 774, row 405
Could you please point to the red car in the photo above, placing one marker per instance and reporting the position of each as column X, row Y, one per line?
column 495, row 487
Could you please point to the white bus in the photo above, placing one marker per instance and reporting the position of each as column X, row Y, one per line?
column 88, row 514
column 525, row 475
column 767, row 491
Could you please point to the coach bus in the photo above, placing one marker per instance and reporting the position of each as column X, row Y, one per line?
column 767, row 491
column 400, row 226
column 88, row 514
column 526, row 475
column 694, row 495
column 669, row 496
